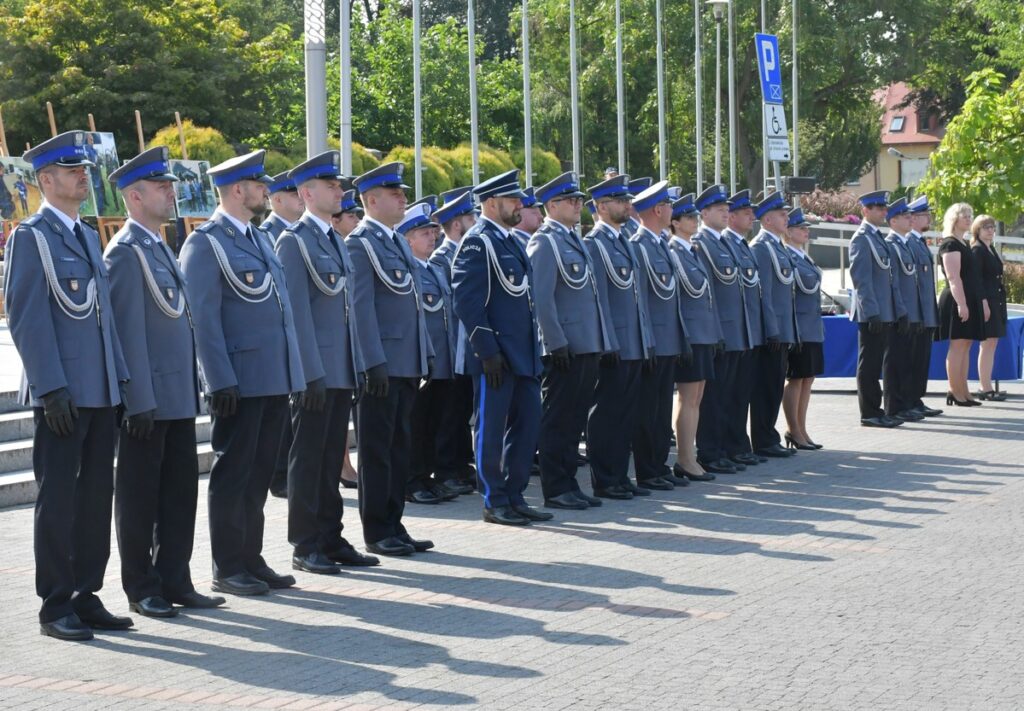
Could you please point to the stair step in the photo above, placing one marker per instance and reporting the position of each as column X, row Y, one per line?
column 9, row 402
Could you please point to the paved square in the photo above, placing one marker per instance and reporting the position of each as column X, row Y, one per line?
column 884, row 572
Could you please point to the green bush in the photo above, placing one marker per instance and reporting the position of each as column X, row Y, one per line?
column 203, row 143
column 276, row 162
column 435, row 179
column 1013, row 280
column 460, row 171
column 546, row 165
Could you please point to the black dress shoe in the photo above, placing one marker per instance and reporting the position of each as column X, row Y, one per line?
column 348, row 555
column 566, row 501
column 675, row 479
column 422, row 497
column 635, row 490
column 420, row 545
column 657, row 484
column 390, row 546
column 197, row 601
column 69, row 628
column 99, row 618
column 911, row 416
column 528, row 512
column 240, row 584
column 505, row 516
column 680, row 472
column 154, row 606
column 893, row 421
column 776, row 450
column 443, row 492
column 760, row 459
column 736, row 464
column 614, row 492
column 590, row 500
column 280, row 492
column 455, row 486
column 876, row 422
column 349, row 484
column 315, row 562
column 929, row 411
column 720, row 466
column 748, row 458
column 275, row 581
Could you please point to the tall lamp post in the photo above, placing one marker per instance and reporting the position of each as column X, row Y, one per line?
column 719, row 7
column 698, row 92
column 316, row 76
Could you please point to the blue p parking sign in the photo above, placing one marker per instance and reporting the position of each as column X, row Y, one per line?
column 769, row 67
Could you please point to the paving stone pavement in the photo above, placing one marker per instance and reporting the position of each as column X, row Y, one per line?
column 884, row 572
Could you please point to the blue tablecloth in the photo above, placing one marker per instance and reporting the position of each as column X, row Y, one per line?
column 841, row 352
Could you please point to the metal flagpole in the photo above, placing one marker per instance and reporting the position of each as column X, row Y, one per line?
column 764, row 136
column 698, row 91
column 527, row 113
column 573, row 91
column 732, row 105
column 718, row 97
column 346, row 87
column 796, row 110
column 316, row 77
column 662, row 139
column 620, row 87
column 417, row 98
column 473, row 133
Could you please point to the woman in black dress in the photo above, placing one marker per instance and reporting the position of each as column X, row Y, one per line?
column 991, row 267
column 961, row 303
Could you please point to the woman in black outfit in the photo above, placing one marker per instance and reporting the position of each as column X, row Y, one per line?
column 961, row 303
column 991, row 266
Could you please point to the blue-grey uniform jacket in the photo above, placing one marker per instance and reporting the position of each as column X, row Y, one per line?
column 570, row 309
column 904, row 271
column 492, row 300
column 522, row 237
column 777, row 286
column 871, row 270
column 925, row 279
column 630, row 227
column 697, row 295
column 156, row 336
column 61, row 347
column 808, row 297
column 658, row 277
column 720, row 263
column 245, row 333
column 385, row 295
column 444, row 256
column 619, row 279
column 751, row 281
column 274, row 225
column 436, row 299
column 319, row 270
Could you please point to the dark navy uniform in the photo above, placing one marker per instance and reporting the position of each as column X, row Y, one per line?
column 58, row 308
column 922, row 346
column 899, row 366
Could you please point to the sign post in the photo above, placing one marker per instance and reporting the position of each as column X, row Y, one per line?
column 774, row 125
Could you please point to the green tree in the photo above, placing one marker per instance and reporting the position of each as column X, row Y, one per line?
column 202, row 142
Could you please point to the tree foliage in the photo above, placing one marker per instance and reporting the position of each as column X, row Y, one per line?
column 202, row 142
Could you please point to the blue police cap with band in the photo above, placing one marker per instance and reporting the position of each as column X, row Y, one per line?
column 878, row 197
column 388, row 175
column 654, row 195
column 713, row 195
column 457, row 207
column 504, row 185
column 348, row 202
column 614, row 187
column 683, row 206
column 772, row 201
column 529, row 197
column 282, row 183
column 674, row 192
column 324, row 166
column 897, row 208
column 148, row 165
column 415, row 216
column 591, row 207
column 920, row 205
column 797, row 219
column 638, row 185
column 66, row 149
column 739, row 201
column 239, row 168
column 428, row 200
column 448, row 195
column 566, row 185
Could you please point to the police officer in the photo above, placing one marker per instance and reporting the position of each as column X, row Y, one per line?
column 499, row 349
column 530, row 218
column 250, row 363
column 741, row 219
column 58, row 309
column 457, row 215
column 318, row 270
column 632, row 223
column 157, row 479
column 717, row 251
column 348, row 215
column 396, row 351
column 651, row 441
column 878, row 307
column 778, row 299
column 921, row 349
column 574, row 333
column 901, row 396
column 617, row 396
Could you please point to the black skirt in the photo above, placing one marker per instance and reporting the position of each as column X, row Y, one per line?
column 701, row 368
column 807, row 362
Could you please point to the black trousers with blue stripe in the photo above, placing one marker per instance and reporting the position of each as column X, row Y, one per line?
column 505, row 436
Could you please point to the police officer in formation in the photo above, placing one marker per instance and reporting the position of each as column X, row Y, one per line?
column 157, row 480
column 921, row 345
column 530, row 218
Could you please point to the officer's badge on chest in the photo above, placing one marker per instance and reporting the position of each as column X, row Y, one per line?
column 429, row 298
column 575, row 268
column 624, row 271
column 73, row 284
column 250, row 277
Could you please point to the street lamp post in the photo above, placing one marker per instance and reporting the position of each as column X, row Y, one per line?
column 698, row 94
column 718, row 6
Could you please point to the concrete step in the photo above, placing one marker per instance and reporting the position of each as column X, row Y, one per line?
column 9, row 402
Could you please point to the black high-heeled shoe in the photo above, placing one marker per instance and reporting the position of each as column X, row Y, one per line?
column 814, row 444
column 793, row 444
column 345, row 483
column 951, row 400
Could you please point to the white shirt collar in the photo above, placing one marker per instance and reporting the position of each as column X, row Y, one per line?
column 714, row 233
column 239, row 225
column 612, row 228
column 902, row 238
column 676, row 239
column 68, row 221
column 144, row 229
column 643, row 229
column 556, row 224
column 324, row 227
column 387, row 230
column 501, row 230
column 774, row 236
column 422, row 262
column 795, row 250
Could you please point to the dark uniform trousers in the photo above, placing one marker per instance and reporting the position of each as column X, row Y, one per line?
column 464, row 415
column 280, row 478
column 506, row 422
column 439, row 424
column 872, row 352
column 384, row 434
column 245, row 449
column 651, row 442
column 739, row 406
column 156, row 487
column 566, row 398
column 898, row 373
column 614, row 413
column 76, row 483
column 767, row 396
column 315, row 506
column 921, row 362
column 717, row 405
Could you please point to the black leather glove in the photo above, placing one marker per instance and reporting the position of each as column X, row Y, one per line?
column 903, row 326
column 649, row 364
column 561, row 358
column 141, row 426
column 60, row 413
column 224, row 402
column 314, row 397
column 360, row 388
column 686, row 357
column 875, row 325
column 720, row 348
column 377, row 381
column 796, row 348
column 494, row 370
column 430, row 370
column 610, row 359
column 773, row 344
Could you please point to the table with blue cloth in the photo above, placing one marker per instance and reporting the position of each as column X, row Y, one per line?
column 841, row 351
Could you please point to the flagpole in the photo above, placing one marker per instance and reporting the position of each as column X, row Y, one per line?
column 346, row 87
column 473, row 127
column 527, row 114
column 573, row 90
column 698, row 94
column 662, row 139
column 417, row 112
column 620, row 88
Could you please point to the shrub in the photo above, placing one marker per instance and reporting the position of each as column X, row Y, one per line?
column 435, row 180
column 276, row 162
column 832, row 207
column 203, row 143
column 1013, row 280
column 546, row 165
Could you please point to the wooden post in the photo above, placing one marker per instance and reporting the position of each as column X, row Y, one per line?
column 53, row 121
column 138, row 128
column 92, row 124
column 3, row 136
column 181, row 135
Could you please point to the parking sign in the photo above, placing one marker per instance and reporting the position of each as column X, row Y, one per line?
column 769, row 67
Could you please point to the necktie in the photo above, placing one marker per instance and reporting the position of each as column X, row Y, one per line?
column 80, row 236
